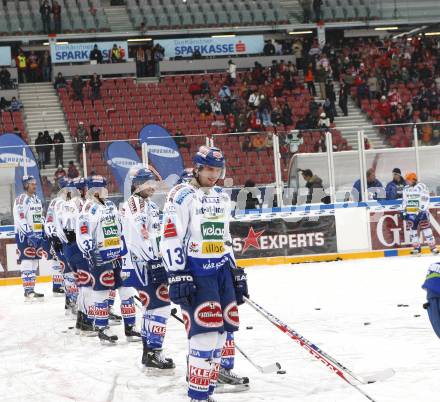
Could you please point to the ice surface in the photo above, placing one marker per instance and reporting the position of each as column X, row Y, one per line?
column 328, row 303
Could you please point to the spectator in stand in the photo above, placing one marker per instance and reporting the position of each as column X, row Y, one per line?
column 72, row 171
column 317, row 9
column 321, row 77
column 33, row 67
column 373, row 85
column 47, row 187
column 309, row 80
column 264, row 110
column 254, row 99
column 315, row 188
column 46, row 66
column 394, row 188
column 374, row 187
column 141, row 65
column 293, row 140
column 77, row 86
column 181, row 140
column 4, row 104
column 59, row 173
column 367, row 143
column 115, row 55
column 158, row 55
column 22, row 66
column 384, row 108
column 195, row 89
column 45, row 11
column 258, row 142
column 96, row 54
column 254, row 121
column 329, row 110
column 15, row 105
column 286, row 115
column 48, row 148
column 5, row 79
column 343, row 98
column 39, row 146
column 427, row 134
column 204, row 106
column 56, row 11
column 58, row 144
column 276, row 117
column 224, row 92
column 95, row 134
column 269, row 48
column 60, row 81
column 196, row 54
column 215, row 106
column 246, row 146
column 232, row 72
column 206, row 90
column 324, row 122
column 121, row 54
column 95, row 85
column 321, row 145
column 278, row 85
column 81, row 138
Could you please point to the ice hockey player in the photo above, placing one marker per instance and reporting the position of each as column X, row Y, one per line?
column 28, row 221
column 147, row 274
column 98, row 235
column 49, row 253
column 432, row 287
column 415, row 211
column 203, row 277
column 53, row 245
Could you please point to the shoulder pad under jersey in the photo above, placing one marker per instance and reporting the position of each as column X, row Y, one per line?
column 178, row 194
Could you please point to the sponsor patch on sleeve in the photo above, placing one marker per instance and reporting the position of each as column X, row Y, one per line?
column 84, row 228
column 170, row 229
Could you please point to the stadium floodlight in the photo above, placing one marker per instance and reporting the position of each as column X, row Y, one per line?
column 300, row 32
column 223, row 36
column 139, row 39
column 57, row 43
column 386, row 28
column 432, row 33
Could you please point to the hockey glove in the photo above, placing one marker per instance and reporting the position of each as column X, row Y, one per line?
column 182, row 287
column 56, row 244
column 240, row 284
column 34, row 241
column 157, row 272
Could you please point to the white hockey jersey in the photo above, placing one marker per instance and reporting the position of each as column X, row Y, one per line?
column 415, row 199
column 66, row 217
column 49, row 225
column 99, row 229
column 28, row 215
column 195, row 229
column 141, row 228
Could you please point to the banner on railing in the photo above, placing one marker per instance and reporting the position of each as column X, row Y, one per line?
column 80, row 52
column 388, row 231
column 226, row 46
column 281, row 237
column 5, row 56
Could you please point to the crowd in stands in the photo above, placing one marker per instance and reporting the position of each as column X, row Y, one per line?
column 51, row 17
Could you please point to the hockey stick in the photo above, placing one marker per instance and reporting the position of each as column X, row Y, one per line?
column 316, row 352
column 271, row 368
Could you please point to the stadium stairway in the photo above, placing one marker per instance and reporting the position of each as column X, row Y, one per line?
column 293, row 8
column 118, row 19
column 43, row 111
column 348, row 125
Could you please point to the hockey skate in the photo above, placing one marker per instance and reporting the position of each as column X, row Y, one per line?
column 30, row 295
column 416, row 251
column 113, row 319
column 70, row 308
column 132, row 334
column 58, row 292
column 434, row 251
column 228, row 381
column 153, row 359
column 106, row 337
column 83, row 326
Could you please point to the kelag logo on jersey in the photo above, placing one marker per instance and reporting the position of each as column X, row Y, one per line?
column 213, row 230
column 110, row 231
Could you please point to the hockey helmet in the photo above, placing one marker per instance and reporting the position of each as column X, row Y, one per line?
column 186, row 176
column 210, row 156
column 411, row 177
column 97, row 185
column 26, row 180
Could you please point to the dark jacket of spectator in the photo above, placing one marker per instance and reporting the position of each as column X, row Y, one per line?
column 96, row 54
column 394, row 189
column 5, row 79
column 77, row 86
column 315, row 187
column 60, row 81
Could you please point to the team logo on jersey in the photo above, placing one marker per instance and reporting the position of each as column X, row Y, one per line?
column 231, row 314
column 186, row 320
column 42, row 253
column 212, row 230
column 209, row 315
column 29, row 252
column 145, row 298
column 162, row 293
column 213, row 247
column 170, row 229
column 83, row 278
column 107, row 278
column 194, row 247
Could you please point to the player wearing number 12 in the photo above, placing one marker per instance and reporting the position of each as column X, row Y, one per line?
column 203, row 277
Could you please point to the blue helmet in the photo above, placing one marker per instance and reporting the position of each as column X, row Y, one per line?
column 209, row 156
column 27, row 179
column 141, row 176
column 186, row 176
column 96, row 181
column 63, row 182
column 80, row 183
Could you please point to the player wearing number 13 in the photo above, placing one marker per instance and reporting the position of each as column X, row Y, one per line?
column 98, row 235
column 415, row 211
column 204, row 280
